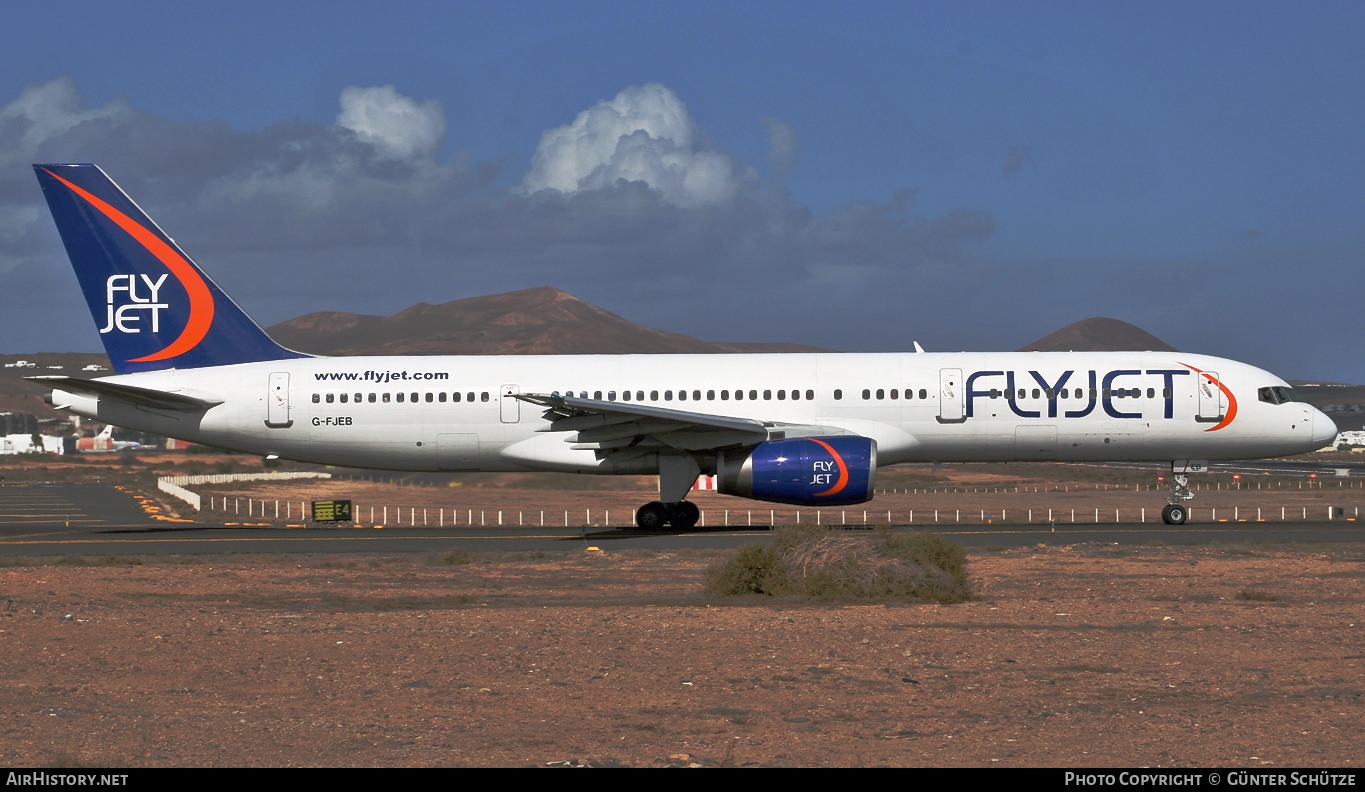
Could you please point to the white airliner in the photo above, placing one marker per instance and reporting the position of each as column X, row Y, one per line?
column 789, row 428
column 105, row 442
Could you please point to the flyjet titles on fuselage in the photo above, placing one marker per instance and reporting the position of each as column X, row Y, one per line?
column 1084, row 391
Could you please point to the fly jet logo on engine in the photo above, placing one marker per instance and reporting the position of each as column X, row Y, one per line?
column 825, row 471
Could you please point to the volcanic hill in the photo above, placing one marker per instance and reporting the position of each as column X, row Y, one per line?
column 541, row 321
column 1099, row 335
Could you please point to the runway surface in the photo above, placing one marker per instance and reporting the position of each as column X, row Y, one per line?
column 100, row 519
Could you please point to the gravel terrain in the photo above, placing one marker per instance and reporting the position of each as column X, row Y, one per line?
column 1239, row 656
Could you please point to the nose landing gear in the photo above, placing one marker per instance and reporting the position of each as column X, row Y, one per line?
column 1175, row 512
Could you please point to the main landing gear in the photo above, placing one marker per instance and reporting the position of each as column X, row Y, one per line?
column 653, row 516
column 677, row 473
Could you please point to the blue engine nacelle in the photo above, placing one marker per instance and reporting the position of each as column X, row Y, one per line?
column 808, row 471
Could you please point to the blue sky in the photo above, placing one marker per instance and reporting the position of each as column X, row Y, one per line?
column 854, row 175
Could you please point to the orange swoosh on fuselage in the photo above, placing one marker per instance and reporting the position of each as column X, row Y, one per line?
column 1232, row 400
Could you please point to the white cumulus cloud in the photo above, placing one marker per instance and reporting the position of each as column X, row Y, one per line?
column 46, row 110
column 394, row 124
column 644, row 134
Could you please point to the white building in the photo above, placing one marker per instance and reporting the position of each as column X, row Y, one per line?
column 23, row 444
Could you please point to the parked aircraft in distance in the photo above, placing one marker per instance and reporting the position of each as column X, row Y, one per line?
column 104, row 441
column 808, row 429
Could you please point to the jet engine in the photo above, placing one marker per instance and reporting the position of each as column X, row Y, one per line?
column 836, row 470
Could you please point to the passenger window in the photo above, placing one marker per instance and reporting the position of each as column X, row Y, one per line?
column 441, row 397
column 810, row 395
column 625, row 395
column 317, row 398
column 455, row 396
column 373, row 398
column 597, row 395
column 668, row 395
column 710, row 395
column 386, row 398
column 414, row 398
column 838, row 394
column 483, row 397
column 995, row 393
column 653, row 395
column 725, row 395
column 611, row 395
column 867, row 394
column 1036, row 393
column 400, row 398
column 767, row 395
column 330, row 397
column 781, row 395
column 696, row 395
column 344, row 397
column 881, row 394
column 469, row 397
column 923, row 394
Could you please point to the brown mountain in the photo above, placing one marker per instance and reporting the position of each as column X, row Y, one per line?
column 1100, row 335
column 542, row 321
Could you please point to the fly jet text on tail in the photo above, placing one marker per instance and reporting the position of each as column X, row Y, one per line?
column 807, row 429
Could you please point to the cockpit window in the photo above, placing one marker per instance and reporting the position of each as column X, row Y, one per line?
column 1278, row 394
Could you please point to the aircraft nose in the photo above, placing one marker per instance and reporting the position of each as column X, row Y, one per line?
column 1324, row 429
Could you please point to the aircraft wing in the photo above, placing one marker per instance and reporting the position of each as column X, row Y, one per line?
column 606, row 426
column 147, row 397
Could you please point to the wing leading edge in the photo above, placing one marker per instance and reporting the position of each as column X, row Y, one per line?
column 606, row 426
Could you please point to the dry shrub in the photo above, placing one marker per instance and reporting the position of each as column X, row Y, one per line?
column 818, row 562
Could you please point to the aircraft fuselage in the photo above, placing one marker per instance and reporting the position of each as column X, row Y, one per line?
column 408, row 413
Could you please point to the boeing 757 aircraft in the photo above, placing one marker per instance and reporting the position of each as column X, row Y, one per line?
column 807, row 429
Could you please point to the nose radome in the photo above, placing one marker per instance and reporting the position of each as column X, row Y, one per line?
column 1324, row 429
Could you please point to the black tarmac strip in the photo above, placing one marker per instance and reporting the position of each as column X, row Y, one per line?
column 100, row 519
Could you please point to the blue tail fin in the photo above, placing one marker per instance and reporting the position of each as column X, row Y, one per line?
column 153, row 306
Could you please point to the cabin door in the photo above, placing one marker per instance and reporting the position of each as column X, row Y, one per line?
column 510, row 404
column 277, row 401
column 950, row 396
column 1213, row 403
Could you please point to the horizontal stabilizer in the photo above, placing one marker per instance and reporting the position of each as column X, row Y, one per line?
column 161, row 400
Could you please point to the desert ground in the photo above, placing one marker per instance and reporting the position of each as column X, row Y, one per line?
column 1066, row 656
